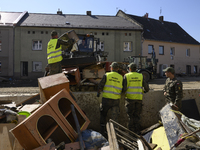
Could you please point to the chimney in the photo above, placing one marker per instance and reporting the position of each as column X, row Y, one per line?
column 59, row 12
column 161, row 18
column 146, row 15
column 89, row 13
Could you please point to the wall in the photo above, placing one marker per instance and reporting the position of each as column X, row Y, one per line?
column 153, row 102
column 180, row 60
column 113, row 43
column 6, row 54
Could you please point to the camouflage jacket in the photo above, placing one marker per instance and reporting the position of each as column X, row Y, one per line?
column 174, row 90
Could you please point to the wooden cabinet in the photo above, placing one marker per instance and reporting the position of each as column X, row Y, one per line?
column 52, row 120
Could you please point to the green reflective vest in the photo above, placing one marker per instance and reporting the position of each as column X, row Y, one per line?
column 113, row 86
column 134, row 86
column 53, row 55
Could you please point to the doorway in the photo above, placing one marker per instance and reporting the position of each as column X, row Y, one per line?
column 24, row 68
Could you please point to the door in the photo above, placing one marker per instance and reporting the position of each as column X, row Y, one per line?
column 188, row 69
column 24, row 68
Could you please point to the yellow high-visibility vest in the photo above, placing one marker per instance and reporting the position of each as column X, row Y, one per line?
column 134, row 86
column 53, row 55
column 113, row 86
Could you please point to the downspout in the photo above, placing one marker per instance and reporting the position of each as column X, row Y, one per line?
column 142, row 40
column 14, row 50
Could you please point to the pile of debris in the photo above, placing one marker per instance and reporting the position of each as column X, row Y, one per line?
column 53, row 120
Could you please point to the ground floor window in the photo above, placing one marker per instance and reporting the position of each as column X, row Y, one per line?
column 37, row 66
column 127, row 46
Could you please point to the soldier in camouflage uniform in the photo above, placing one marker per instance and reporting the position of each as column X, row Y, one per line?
column 111, row 84
column 173, row 89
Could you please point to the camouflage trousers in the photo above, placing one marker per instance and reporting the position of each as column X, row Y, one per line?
column 106, row 105
column 134, row 109
column 55, row 68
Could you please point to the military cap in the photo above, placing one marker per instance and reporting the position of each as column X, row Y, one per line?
column 169, row 69
column 132, row 66
column 114, row 65
column 54, row 33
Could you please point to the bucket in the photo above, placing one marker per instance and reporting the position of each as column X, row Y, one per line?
column 26, row 113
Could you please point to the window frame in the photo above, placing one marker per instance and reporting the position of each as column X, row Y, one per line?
column 188, row 52
column 129, row 46
column 172, row 51
column 38, row 45
column 34, row 68
column 162, row 50
column 151, row 49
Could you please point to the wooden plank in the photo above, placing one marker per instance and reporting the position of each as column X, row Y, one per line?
column 6, row 138
column 114, row 138
column 151, row 128
column 30, row 108
column 109, row 136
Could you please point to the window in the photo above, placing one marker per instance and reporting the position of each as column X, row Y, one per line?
column 188, row 52
column 101, row 45
column 127, row 46
column 37, row 66
column 37, row 45
column 161, row 50
column 172, row 51
column 0, row 66
column 150, row 49
column 195, row 69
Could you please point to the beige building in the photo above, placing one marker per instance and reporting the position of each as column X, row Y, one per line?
column 118, row 36
column 8, row 22
column 172, row 45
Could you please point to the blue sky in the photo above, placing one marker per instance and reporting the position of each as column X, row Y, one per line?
column 186, row 13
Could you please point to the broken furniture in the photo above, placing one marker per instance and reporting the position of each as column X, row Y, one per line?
column 50, row 85
column 118, row 134
column 53, row 120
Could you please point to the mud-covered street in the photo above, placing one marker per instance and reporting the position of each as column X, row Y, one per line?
column 31, row 86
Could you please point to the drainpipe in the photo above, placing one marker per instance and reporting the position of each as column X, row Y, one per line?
column 142, row 43
column 13, row 50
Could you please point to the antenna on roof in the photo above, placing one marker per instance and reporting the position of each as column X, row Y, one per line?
column 160, row 10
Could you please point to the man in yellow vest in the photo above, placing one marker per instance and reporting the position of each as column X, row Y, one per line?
column 133, row 85
column 54, row 53
column 111, row 84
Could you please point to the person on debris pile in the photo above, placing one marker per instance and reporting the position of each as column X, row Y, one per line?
column 173, row 88
column 134, row 86
column 111, row 84
column 54, row 53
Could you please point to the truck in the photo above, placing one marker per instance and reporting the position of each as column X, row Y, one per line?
column 146, row 66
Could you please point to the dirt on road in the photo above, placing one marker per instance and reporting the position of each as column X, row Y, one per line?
column 31, row 86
